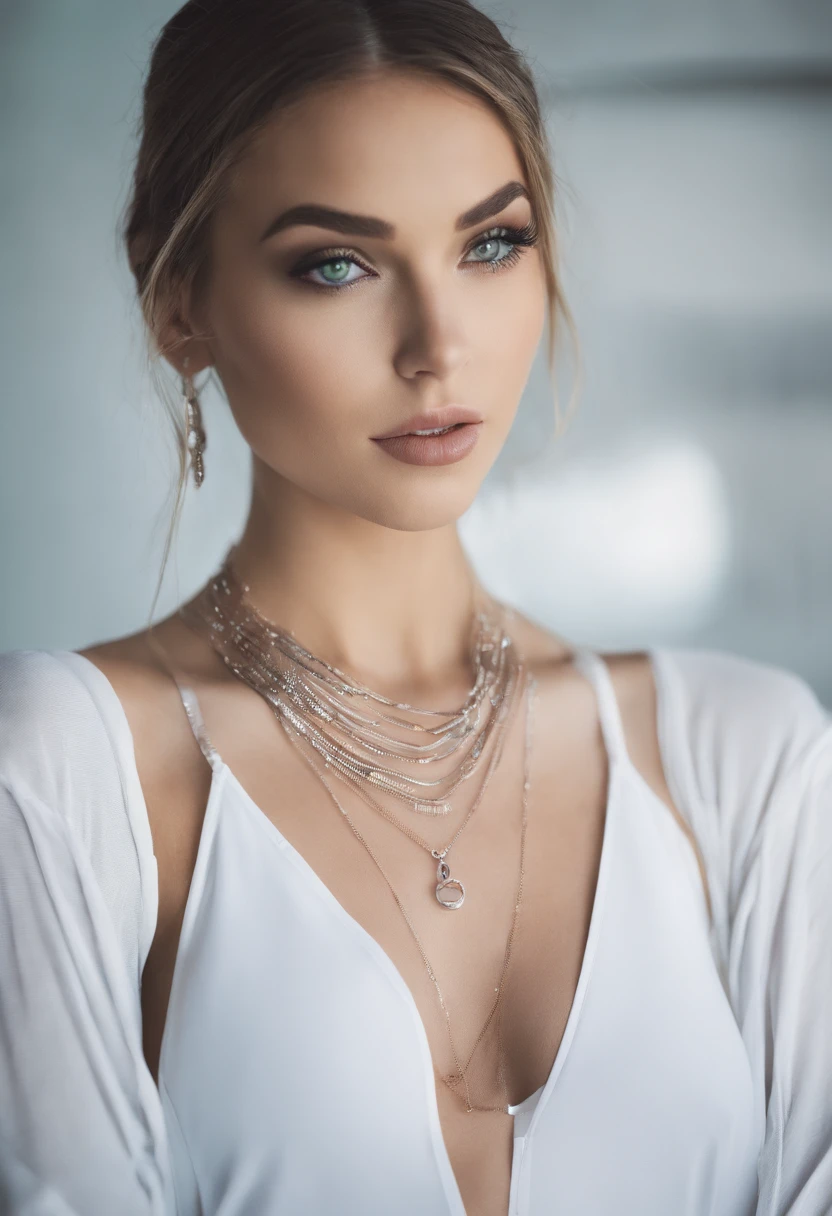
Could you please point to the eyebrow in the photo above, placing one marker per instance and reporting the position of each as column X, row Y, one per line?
column 369, row 226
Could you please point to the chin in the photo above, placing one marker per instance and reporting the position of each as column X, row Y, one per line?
column 412, row 509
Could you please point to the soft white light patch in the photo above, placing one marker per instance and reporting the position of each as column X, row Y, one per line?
column 611, row 549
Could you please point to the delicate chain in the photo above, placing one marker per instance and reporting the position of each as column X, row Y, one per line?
column 296, row 684
column 532, row 684
column 453, row 1082
column 248, row 643
column 438, row 854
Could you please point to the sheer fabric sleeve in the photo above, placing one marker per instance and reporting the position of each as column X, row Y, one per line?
column 748, row 756
column 81, row 1126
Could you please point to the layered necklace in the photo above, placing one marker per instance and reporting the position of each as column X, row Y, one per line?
column 342, row 727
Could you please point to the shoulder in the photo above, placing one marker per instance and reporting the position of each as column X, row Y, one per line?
column 573, row 703
column 67, row 771
column 142, row 670
column 28, row 677
column 742, row 742
column 65, row 740
column 719, row 677
column 57, row 713
column 714, row 733
column 737, row 725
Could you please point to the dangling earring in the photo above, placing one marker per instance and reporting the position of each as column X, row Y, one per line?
column 196, row 434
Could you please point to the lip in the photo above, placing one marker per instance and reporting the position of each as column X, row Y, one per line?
column 454, row 445
column 447, row 415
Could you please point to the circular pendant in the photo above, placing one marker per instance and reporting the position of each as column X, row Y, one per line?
column 450, row 892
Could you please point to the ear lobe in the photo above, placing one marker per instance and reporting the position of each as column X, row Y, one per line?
column 179, row 340
column 189, row 348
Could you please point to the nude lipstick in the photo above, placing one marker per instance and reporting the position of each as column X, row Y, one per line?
column 442, row 436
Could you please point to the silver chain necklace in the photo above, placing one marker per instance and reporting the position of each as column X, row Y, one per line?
column 318, row 703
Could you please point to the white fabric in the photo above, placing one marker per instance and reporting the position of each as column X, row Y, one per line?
column 695, row 1073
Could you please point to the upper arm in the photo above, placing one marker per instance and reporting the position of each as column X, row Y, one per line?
column 750, row 751
column 731, row 730
column 175, row 780
column 70, row 1037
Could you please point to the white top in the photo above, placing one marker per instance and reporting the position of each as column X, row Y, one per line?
column 695, row 1072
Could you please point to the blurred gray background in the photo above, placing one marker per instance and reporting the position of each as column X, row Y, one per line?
column 689, row 502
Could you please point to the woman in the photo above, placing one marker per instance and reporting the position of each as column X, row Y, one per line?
column 345, row 888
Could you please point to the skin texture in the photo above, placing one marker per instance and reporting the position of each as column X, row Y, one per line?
column 359, row 555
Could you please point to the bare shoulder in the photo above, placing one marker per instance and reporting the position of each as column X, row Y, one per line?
column 175, row 779
column 145, row 688
column 173, row 773
column 631, row 672
column 550, row 657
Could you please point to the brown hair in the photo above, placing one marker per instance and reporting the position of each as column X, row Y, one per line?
column 218, row 72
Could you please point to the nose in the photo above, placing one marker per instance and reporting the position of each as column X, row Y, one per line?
column 434, row 341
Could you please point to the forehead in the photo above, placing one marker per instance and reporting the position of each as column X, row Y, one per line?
column 394, row 145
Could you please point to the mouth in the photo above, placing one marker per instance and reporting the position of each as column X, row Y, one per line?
column 437, row 421
column 434, row 446
column 439, row 430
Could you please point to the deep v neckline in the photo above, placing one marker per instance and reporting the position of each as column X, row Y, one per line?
column 531, row 1108
column 373, row 946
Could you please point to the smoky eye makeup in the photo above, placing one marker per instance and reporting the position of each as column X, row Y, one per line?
column 517, row 239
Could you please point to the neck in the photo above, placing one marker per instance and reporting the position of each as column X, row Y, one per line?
column 392, row 608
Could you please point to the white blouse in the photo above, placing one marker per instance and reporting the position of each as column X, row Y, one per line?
column 695, row 1072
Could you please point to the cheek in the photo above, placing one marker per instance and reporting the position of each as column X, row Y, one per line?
column 522, row 312
column 295, row 366
column 505, row 329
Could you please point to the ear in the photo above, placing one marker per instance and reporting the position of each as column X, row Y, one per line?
column 181, row 339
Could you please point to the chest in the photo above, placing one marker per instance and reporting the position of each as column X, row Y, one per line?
column 566, row 814
column 293, row 1037
column 301, row 949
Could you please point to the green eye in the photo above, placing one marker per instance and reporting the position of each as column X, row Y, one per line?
column 342, row 268
column 334, row 271
column 495, row 241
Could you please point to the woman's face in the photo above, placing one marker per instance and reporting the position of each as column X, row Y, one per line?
column 326, row 335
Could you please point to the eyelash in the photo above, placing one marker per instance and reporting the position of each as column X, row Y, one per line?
column 519, row 238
